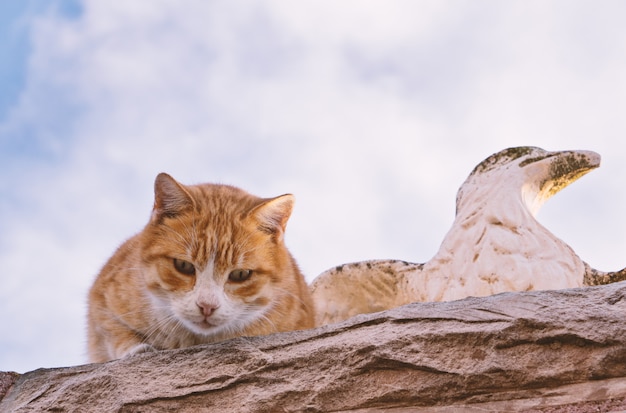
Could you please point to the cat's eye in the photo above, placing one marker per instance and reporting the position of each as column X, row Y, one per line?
column 239, row 275
column 184, row 267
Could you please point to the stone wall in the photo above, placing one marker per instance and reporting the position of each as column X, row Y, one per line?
column 549, row 351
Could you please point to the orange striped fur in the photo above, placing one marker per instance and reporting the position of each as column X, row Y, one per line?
column 210, row 265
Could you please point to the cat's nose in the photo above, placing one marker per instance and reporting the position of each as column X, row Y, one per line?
column 207, row 308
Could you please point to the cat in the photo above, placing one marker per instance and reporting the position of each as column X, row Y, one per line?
column 211, row 264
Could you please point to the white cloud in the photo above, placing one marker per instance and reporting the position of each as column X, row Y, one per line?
column 372, row 114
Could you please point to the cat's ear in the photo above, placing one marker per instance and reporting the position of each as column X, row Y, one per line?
column 170, row 197
column 272, row 215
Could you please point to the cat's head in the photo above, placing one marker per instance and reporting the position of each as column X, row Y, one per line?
column 214, row 257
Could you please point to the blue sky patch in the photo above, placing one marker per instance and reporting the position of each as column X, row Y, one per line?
column 15, row 47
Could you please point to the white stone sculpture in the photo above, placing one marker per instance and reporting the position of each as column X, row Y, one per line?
column 495, row 243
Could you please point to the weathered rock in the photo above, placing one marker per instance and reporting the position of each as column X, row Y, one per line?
column 6, row 381
column 514, row 351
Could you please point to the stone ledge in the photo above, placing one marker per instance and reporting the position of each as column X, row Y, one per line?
column 535, row 351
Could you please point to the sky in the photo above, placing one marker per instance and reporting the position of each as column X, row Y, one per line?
column 371, row 113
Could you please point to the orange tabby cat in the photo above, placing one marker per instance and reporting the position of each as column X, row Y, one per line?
column 210, row 265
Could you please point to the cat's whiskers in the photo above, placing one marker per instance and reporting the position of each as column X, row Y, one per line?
column 246, row 250
column 291, row 294
column 269, row 321
column 162, row 330
column 119, row 269
column 191, row 238
column 179, row 240
column 252, row 318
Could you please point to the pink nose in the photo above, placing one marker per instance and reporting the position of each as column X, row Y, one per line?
column 207, row 308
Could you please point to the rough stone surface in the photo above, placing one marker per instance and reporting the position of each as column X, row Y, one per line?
column 6, row 381
column 551, row 351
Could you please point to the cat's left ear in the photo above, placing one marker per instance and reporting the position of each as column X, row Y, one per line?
column 272, row 215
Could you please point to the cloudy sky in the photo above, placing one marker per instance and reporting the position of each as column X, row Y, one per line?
column 371, row 113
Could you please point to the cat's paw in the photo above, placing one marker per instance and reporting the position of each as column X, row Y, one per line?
column 138, row 349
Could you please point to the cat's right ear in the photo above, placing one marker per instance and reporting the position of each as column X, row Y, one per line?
column 170, row 198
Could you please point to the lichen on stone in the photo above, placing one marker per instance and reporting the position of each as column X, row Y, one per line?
column 566, row 169
column 504, row 156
